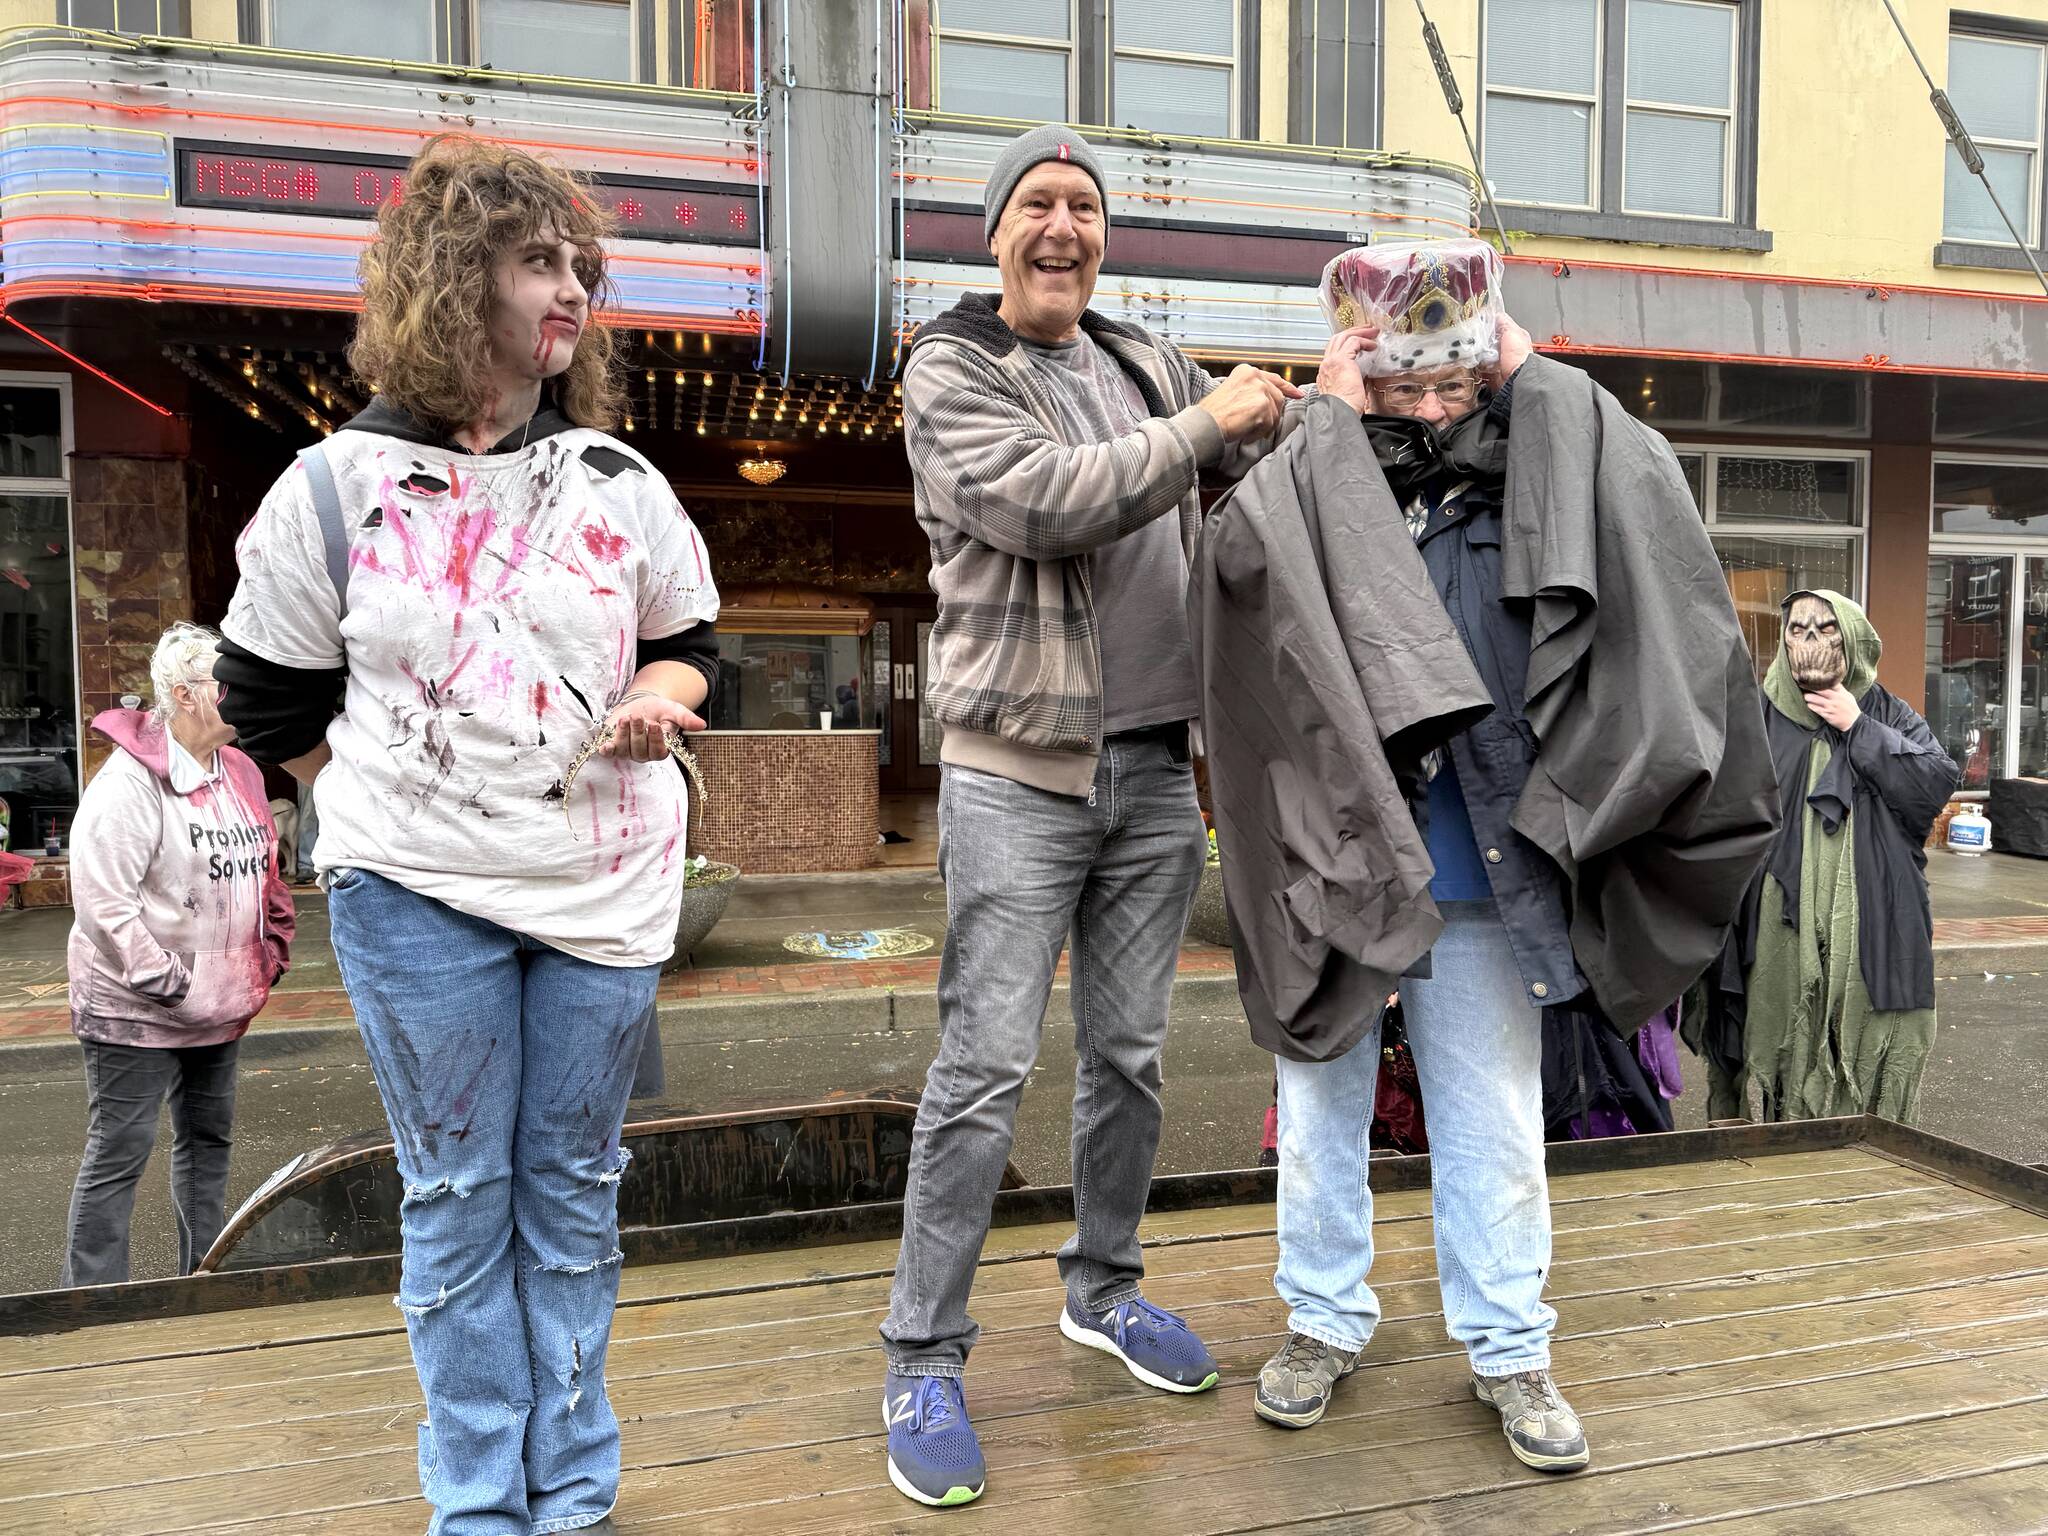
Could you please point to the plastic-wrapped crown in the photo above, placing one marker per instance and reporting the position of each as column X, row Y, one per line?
column 1436, row 303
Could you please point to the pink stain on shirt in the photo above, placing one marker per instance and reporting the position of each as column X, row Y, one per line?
column 449, row 681
column 466, row 542
column 522, row 546
column 603, row 544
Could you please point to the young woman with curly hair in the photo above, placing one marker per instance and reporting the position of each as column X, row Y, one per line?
column 496, row 584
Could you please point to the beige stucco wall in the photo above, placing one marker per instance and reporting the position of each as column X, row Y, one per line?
column 1849, row 179
column 216, row 21
column 33, row 13
column 1273, row 44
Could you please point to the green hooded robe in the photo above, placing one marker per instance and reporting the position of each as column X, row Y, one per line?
column 1815, row 1042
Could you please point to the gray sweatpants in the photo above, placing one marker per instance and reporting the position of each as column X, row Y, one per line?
column 125, row 1088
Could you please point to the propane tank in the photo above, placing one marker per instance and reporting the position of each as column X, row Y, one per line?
column 1969, row 832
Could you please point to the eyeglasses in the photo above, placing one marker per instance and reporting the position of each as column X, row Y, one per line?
column 1405, row 397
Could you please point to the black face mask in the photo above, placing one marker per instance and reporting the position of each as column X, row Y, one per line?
column 1413, row 452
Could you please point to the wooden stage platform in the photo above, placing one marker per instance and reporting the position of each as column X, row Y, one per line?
column 1763, row 1339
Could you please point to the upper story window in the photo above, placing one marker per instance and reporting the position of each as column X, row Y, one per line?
column 153, row 18
column 1996, row 85
column 1004, row 58
column 571, row 39
column 1678, row 142
column 1170, row 67
column 1543, row 100
column 1175, row 66
column 1619, row 111
column 584, row 39
column 389, row 29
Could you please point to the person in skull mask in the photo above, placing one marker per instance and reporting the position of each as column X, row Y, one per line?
column 1826, row 998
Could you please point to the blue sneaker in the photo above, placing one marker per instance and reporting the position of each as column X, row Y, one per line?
column 934, row 1456
column 1157, row 1347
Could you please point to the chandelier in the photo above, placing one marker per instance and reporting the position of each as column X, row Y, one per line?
column 763, row 471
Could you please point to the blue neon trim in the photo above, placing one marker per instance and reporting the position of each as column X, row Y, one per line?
column 89, row 149
column 43, row 172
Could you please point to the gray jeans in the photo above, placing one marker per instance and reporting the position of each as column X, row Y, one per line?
column 1024, row 868
column 125, row 1086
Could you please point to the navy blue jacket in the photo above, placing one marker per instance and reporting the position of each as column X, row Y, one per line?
column 1461, row 548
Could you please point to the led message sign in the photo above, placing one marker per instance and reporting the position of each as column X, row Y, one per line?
column 342, row 185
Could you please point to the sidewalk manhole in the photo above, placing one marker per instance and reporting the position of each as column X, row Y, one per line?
column 859, row 944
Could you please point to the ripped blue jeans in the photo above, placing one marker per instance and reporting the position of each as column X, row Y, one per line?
column 504, row 1067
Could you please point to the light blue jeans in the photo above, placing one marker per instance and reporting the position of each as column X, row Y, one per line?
column 504, row 1066
column 1478, row 1045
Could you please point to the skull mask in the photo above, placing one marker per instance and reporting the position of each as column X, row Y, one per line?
column 1813, row 644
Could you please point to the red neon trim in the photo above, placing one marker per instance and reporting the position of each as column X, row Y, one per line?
column 752, row 269
column 98, row 373
column 1869, row 363
column 1878, row 291
column 415, row 133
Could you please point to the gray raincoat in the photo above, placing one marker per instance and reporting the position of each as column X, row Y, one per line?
column 1328, row 667
column 1322, row 653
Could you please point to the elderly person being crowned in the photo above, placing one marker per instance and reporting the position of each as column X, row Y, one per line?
column 1421, row 620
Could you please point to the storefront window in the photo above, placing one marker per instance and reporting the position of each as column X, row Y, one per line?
column 1674, row 394
column 582, row 39
column 38, row 687
column 1763, row 572
column 931, row 736
column 1968, row 613
column 1992, row 412
column 31, row 434
column 790, row 682
column 2006, row 500
column 2033, row 723
column 1786, row 490
column 1761, row 510
column 384, row 29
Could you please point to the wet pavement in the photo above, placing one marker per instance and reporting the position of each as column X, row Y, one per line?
column 1987, row 1081
column 1985, row 1085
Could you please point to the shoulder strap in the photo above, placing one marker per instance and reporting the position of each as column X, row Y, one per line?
column 327, row 506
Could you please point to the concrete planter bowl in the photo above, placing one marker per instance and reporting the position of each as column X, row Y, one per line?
column 1207, row 922
column 705, row 896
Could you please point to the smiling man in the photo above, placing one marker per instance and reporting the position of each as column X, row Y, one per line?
column 1055, row 454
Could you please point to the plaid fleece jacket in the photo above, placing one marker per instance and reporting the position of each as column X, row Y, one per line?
column 1013, row 514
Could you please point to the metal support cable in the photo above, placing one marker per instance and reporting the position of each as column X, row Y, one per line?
column 1455, row 100
column 1965, row 146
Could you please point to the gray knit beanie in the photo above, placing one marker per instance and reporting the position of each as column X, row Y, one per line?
column 1048, row 141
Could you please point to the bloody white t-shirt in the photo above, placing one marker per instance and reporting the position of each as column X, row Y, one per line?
column 490, row 627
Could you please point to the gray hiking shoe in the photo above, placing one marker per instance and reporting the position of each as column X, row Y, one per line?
column 1542, row 1430
column 1295, row 1385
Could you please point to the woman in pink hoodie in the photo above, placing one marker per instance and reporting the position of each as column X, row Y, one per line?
column 183, row 924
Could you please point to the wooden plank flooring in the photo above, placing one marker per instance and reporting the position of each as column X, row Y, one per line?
column 1810, row 1343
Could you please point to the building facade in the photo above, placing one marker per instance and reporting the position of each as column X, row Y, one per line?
column 1741, row 215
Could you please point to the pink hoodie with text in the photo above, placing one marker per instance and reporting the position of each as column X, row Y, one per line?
column 182, row 919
